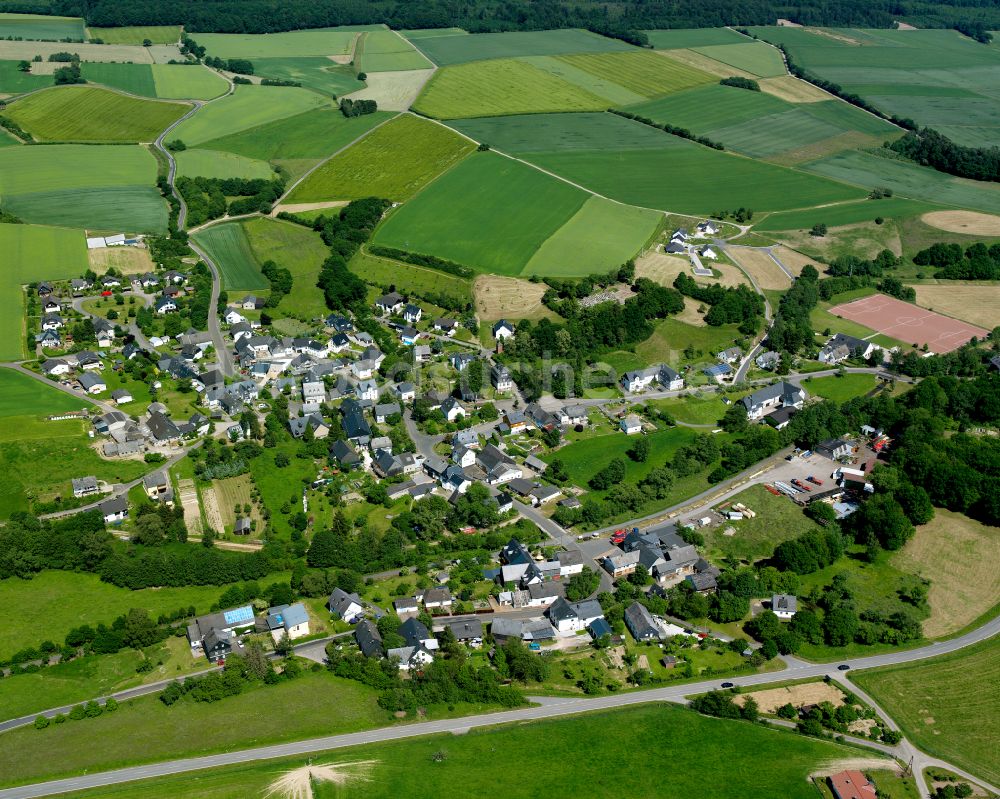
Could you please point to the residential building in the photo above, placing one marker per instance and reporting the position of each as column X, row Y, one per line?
column 437, row 598
column 640, row 623
column 571, row 617
column 461, row 360
column 121, row 396
column 503, row 330
column 452, row 409
column 446, row 327
column 621, row 564
column 114, row 510
column 570, row 562
column 407, row 606
column 468, row 632
column 290, row 620
column 85, row 486
column 731, row 355
column 410, row 658
column 851, row 785
column 631, row 425
column 412, row 313
column 573, row 415
column 784, row 606
column 501, row 379
column 537, row 629
column 92, row 384
column 369, row 639
column 770, row 398
column 55, row 367
column 156, row 485
column 718, row 372
column 389, row 304
column 345, row 606
column 544, row 594
column 224, row 625
column 415, row 633
column 842, row 346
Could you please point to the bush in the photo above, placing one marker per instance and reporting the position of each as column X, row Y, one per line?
column 41, row 722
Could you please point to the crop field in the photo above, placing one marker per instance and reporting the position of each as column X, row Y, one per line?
column 645, row 73
column 319, row 42
column 86, row 114
column 13, row 81
column 137, row 34
column 248, row 107
column 181, row 82
column 418, row 279
column 489, row 213
column 7, row 140
column 499, row 87
column 600, row 236
column 131, row 78
column 134, row 208
column 32, row 26
column 299, row 250
column 967, row 222
column 394, row 161
column 313, row 72
column 228, row 246
column 848, row 213
column 220, row 164
column 387, row 51
column 948, row 706
column 17, row 50
column 683, row 38
column 975, row 304
column 756, row 58
column 18, row 391
column 462, row 48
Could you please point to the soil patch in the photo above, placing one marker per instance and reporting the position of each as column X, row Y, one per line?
column 968, row 222
column 792, row 260
column 187, row 494
column 213, row 514
column 509, row 298
column 295, row 208
column 810, row 693
column 761, row 267
column 127, row 260
column 976, row 304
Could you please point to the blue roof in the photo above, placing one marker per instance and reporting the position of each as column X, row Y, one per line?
column 238, row 615
column 718, row 369
column 292, row 615
column 600, row 627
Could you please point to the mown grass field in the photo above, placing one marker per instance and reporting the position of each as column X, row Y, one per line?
column 640, row 71
column 32, row 253
column 313, row 72
column 566, row 756
column 756, row 58
column 33, row 26
column 489, row 213
column 248, row 107
column 557, row 132
column 133, row 208
column 299, row 250
column 227, row 245
column 90, row 114
column 13, row 81
column 220, row 164
column 948, row 706
column 600, row 236
column 387, row 51
column 839, row 388
column 417, row 279
column 462, row 48
column 181, row 82
column 778, row 519
column 318, row 42
column 683, row 38
column 394, row 161
column 137, row 34
column 131, row 78
column 18, row 393
column 848, row 213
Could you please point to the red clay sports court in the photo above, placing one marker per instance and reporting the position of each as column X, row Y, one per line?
column 909, row 323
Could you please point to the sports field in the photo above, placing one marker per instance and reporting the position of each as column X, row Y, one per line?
column 248, row 107
column 137, row 34
column 90, row 114
column 33, row 26
column 461, row 48
column 394, row 162
column 489, row 213
column 600, row 236
column 387, row 51
column 299, row 250
column 909, row 323
column 220, row 164
column 227, row 245
column 319, row 42
column 18, row 392
column 313, row 72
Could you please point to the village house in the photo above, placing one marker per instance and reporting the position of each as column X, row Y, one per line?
column 288, row 620
column 631, row 424
column 114, row 510
column 468, row 632
column 92, row 384
column 390, row 304
column 85, row 486
column 503, row 330
column 842, row 346
column 369, row 639
column 770, row 398
column 501, row 379
column 640, row 623
column 345, row 606
column 784, row 606
column 571, row 617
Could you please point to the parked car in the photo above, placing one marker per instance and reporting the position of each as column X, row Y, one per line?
column 843, row 667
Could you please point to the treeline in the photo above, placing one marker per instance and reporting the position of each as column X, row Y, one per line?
column 673, row 130
column 280, row 279
column 930, row 148
column 240, row 673
column 430, row 261
column 344, row 234
column 562, row 290
column 357, row 108
column 730, row 305
column 206, row 197
column 976, row 262
column 240, row 66
column 741, row 83
column 967, row 361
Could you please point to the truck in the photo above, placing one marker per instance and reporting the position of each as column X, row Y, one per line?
column 814, row 480
column 800, row 485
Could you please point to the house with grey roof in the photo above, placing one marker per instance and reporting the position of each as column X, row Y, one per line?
column 85, row 486
column 369, row 639
column 781, row 395
column 344, row 605
column 640, row 623
column 571, row 617
column 784, row 606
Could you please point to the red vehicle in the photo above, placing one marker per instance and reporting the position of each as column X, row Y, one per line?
column 773, row 490
column 814, row 480
column 799, row 484
column 618, row 536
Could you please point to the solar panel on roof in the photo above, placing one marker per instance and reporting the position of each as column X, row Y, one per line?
column 238, row 615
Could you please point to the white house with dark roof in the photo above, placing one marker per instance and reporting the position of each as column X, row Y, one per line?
column 784, row 606
column 345, row 606
column 781, row 395
column 503, row 330
column 571, row 617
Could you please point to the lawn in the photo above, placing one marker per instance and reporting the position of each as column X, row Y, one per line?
column 849, row 213
column 461, row 48
column 32, row 253
column 220, row 164
column 90, row 114
column 145, row 729
column 839, row 388
column 759, row 762
column 183, row 81
column 137, row 34
column 394, row 161
column 313, row 72
column 489, row 213
column 500, row 87
column 387, row 51
column 600, row 236
column 228, row 246
column 18, row 393
column 948, row 706
column 420, row 280
column 31, row 26
column 248, row 107
column 299, row 250
column 778, row 519
column 706, row 409
column 319, row 42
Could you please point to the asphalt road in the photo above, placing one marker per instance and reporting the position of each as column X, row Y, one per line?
column 552, row 708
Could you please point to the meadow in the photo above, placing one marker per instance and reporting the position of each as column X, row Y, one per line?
column 417, row 279
column 139, row 209
column 600, row 236
column 227, row 245
column 164, row 81
column 90, row 114
column 640, row 71
column 248, row 107
column 32, row 26
column 462, row 48
column 32, row 253
column 13, row 81
column 759, row 762
column 387, row 51
column 848, row 213
column 220, row 164
column 683, row 38
column 671, row 337
column 839, row 388
column 756, row 58
column 131, row 78
column 948, row 706
column 299, row 250
column 18, row 392
column 313, row 72
column 137, row 34
column 489, row 213
column 318, row 42
column 394, row 161
column 778, row 519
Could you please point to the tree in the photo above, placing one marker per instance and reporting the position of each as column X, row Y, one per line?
column 582, row 585
column 139, row 630
column 24, row 66
column 639, row 451
column 734, row 420
column 610, row 475
column 818, row 230
column 839, row 625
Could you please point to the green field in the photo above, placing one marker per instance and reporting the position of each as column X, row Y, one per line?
column 387, row 51
column 319, row 42
column 556, row 132
column 489, row 213
column 131, row 78
column 6, row 139
column 459, row 49
column 18, row 393
column 299, row 250
column 948, row 706
column 845, row 214
column 839, row 388
column 759, row 762
column 136, row 34
column 86, row 114
column 756, row 58
column 600, row 236
column 220, row 164
column 32, row 253
column 778, row 519
column 645, row 73
column 31, row 26
column 417, row 279
column 77, row 185
column 248, row 107
column 180, row 82
column 693, row 37
column 13, row 81
column 313, row 72
column 227, row 245
column 671, row 337
column 394, row 161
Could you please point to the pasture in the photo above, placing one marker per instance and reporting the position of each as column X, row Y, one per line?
column 672, row 337
column 463, row 47
column 420, row 280
column 13, row 81
column 847, row 213
column 489, row 213
column 90, row 114
column 600, row 236
column 17, row 50
column 220, row 164
column 131, row 78
column 394, row 161
column 137, row 34
column 313, row 72
column 757, row 58
column 34, row 26
column 228, row 246
column 318, row 42
column 948, row 706
column 975, row 304
column 387, row 51
column 18, row 392
column 32, row 253
column 181, row 82
column 682, row 38
column 299, row 250
column 248, row 107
